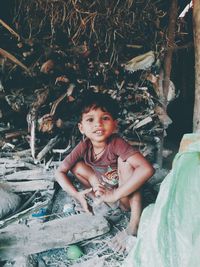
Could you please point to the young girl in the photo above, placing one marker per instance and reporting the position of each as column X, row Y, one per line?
column 104, row 162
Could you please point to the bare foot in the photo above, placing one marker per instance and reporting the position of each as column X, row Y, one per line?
column 122, row 242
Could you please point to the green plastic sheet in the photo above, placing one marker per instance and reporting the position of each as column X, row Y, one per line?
column 169, row 230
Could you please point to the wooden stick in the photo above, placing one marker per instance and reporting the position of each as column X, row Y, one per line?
column 12, row 58
column 47, row 148
column 10, row 29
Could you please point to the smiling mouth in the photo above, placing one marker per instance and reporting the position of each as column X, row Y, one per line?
column 99, row 132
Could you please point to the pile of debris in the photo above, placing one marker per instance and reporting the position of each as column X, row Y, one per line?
column 47, row 64
column 31, row 116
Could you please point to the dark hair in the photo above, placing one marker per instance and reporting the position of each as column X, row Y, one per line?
column 90, row 100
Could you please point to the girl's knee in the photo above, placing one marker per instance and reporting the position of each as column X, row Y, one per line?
column 125, row 171
column 77, row 169
column 81, row 169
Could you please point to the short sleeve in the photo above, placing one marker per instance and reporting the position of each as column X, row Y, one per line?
column 122, row 148
column 75, row 155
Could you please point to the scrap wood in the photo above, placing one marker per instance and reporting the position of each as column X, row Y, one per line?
column 10, row 29
column 15, row 134
column 22, row 214
column 9, row 162
column 22, row 240
column 143, row 122
column 47, row 148
column 36, row 174
column 140, row 62
column 10, row 165
column 12, row 58
column 22, row 153
column 27, row 186
column 4, row 171
column 57, row 101
column 47, row 122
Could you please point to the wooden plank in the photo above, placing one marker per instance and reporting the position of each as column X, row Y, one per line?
column 16, row 240
column 27, row 186
column 31, row 175
column 7, row 163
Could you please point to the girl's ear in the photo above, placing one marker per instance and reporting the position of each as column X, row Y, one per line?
column 80, row 126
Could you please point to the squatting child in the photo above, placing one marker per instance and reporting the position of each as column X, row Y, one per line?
column 104, row 162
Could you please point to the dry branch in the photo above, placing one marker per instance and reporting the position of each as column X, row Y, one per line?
column 12, row 58
column 10, row 29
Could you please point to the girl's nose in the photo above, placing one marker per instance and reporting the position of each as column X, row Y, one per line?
column 98, row 122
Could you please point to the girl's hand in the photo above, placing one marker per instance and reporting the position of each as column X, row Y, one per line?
column 99, row 190
column 80, row 196
column 108, row 196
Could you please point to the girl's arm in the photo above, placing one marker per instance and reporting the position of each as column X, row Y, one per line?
column 143, row 170
column 67, row 186
column 64, row 180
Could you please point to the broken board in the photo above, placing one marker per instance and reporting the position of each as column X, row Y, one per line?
column 21, row 239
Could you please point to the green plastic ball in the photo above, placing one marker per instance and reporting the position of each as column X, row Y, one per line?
column 74, row 252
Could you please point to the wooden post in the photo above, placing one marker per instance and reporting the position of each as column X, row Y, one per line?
column 170, row 48
column 167, row 68
column 196, row 30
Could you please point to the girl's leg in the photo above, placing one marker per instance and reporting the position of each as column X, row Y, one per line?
column 133, row 201
column 84, row 174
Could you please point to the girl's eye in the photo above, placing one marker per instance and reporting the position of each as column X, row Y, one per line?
column 105, row 118
column 90, row 120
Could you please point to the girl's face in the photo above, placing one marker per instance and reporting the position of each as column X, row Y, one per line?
column 97, row 125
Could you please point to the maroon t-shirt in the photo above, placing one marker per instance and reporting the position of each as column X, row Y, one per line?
column 105, row 167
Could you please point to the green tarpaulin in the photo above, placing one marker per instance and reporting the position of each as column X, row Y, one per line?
column 169, row 231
